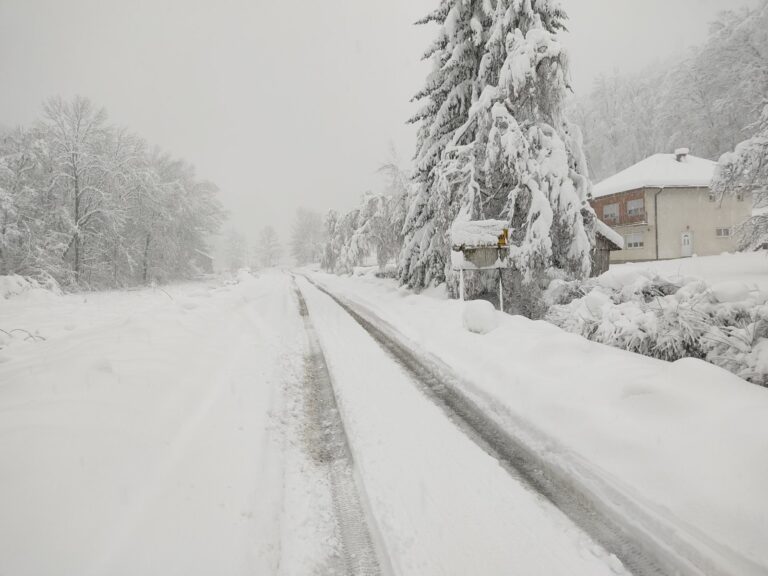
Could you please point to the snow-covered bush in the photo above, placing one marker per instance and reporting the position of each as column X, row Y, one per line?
column 725, row 324
column 372, row 229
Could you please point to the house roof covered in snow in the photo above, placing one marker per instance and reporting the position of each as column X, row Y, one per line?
column 657, row 171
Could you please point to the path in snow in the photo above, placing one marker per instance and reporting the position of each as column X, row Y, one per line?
column 441, row 505
column 220, row 430
column 622, row 530
column 329, row 447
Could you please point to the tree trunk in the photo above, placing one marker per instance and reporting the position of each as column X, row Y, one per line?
column 77, row 217
column 145, row 274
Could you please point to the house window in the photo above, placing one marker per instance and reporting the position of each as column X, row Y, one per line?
column 635, row 240
column 712, row 197
column 636, row 207
column 611, row 213
column 740, row 196
column 723, row 232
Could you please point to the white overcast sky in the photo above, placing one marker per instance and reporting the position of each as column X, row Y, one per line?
column 282, row 103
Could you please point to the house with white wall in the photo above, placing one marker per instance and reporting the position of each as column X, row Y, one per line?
column 663, row 208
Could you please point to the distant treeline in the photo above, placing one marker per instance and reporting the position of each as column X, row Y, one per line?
column 91, row 205
column 708, row 102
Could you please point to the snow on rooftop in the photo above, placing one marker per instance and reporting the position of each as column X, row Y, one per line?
column 609, row 233
column 659, row 170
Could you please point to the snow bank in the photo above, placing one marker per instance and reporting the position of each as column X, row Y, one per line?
column 15, row 285
column 750, row 268
column 479, row 316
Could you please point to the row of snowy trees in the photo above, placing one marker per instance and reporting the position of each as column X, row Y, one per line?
column 91, row 205
column 709, row 101
column 373, row 229
column 265, row 254
column 307, row 237
column 493, row 143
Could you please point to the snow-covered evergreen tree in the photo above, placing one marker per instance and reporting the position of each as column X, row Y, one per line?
column 515, row 156
column 448, row 93
column 746, row 171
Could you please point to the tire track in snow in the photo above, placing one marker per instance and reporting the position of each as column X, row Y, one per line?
column 329, row 447
column 645, row 547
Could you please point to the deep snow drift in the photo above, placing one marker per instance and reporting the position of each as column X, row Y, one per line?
column 750, row 268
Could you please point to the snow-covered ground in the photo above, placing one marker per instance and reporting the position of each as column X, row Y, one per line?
column 750, row 268
column 442, row 505
column 166, row 432
column 684, row 441
column 145, row 435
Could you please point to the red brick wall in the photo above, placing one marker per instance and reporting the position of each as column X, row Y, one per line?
column 621, row 199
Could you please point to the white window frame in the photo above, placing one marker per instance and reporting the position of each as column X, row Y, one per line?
column 723, row 232
column 636, row 211
column 611, row 218
column 635, row 240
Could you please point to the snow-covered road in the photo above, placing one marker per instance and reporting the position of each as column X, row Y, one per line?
column 248, row 429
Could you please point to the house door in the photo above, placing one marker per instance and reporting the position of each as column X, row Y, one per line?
column 686, row 244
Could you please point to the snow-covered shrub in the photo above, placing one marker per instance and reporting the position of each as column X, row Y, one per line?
column 725, row 324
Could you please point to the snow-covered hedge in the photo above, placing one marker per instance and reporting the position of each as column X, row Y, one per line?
column 725, row 324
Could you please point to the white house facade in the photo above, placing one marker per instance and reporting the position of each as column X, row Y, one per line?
column 663, row 208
